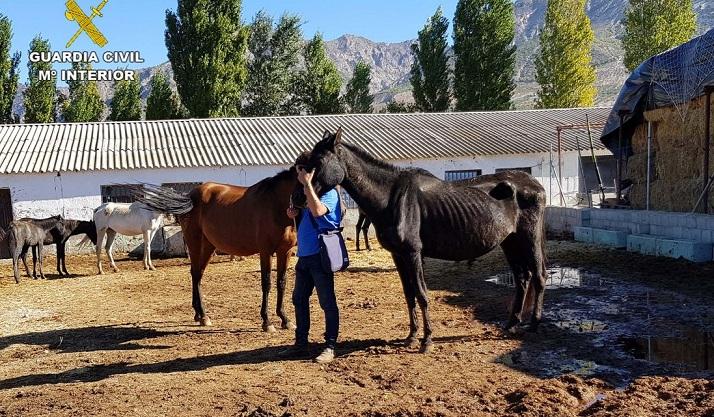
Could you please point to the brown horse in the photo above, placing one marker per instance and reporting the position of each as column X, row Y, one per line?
column 239, row 221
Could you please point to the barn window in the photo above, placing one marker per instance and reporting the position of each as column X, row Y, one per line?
column 181, row 187
column 117, row 194
column 524, row 169
column 463, row 174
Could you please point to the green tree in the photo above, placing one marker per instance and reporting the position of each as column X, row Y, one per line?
column 276, row 53
column 162, row 103
column 206, row 45
column 485, row 56
column 126, row 104
column 84, row 103
column 394, row 106
column 40, row 95
column 564, row 67
column 9, row 76
column 654, row 26
column 430, row 70
column 317, row 87
column 357, row 98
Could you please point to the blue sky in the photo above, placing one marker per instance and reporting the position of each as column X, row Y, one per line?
column 139, row 25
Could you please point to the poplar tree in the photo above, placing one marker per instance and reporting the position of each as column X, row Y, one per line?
column 40, row 96
column 9, row 76
column 485, row 55
column 84, row 103
column 430, row 70
column 564, row 67
column 126, row 104
column 317, row 87
column 162, row 103
column 357, row 98
column 275, row 54
column 206, row 44
column 654, row 26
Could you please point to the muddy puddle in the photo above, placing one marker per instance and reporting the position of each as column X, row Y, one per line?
column 616, row 329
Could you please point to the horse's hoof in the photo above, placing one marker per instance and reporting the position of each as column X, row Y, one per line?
column 514, row 330
column 269, row 328
column 205, row 321
column 411, row 343
column 289, row 326
column 427, row 347
column 152, row 268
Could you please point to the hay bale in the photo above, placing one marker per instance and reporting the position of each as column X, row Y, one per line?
column 678, row 134
column 637, row 167
column 639, row 139
column 638, row 198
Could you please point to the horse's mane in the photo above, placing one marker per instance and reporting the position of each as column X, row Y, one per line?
column 371, row 159
column 382, row 164
column 50, row 221
column 268, row 184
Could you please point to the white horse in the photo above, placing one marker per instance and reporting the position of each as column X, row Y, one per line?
column 128, row 220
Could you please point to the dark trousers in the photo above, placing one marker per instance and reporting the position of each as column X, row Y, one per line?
column 308, row 275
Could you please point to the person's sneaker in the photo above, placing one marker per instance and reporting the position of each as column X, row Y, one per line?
column 295, row 352
column 327, row 356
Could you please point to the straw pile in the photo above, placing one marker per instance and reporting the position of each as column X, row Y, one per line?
column 677, row 157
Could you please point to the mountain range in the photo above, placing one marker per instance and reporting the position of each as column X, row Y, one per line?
column 391, row 62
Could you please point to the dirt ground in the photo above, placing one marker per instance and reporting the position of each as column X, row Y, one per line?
column 125, row 343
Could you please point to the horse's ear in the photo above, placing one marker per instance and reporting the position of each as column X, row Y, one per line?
column 338, row 136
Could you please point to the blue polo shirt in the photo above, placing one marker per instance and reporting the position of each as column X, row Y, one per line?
column 307, row 241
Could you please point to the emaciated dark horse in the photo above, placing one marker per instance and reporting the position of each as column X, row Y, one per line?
column 417, row 215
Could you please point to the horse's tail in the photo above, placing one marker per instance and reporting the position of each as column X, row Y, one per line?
column 163, row 199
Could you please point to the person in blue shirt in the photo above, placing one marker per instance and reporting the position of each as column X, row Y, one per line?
column 309, row 273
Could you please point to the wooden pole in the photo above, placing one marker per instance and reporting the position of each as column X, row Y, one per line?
column 597, row 169
column 649, row 162
column 618, row 186
column 582, row 173
column 559, row 173
column 707, row 143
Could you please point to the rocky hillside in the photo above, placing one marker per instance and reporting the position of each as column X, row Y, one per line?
column 391, row 61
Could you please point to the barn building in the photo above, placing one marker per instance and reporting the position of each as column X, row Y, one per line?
column 70, row 169
column 659, row 130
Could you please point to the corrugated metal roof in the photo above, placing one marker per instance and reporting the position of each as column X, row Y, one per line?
column 36, row 148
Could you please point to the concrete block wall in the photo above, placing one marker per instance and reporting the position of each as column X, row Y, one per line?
column 694, row 227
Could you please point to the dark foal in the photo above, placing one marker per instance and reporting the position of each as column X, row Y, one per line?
column 59, row 235
column 363, row 223
column 22, row 235
column 417, row 215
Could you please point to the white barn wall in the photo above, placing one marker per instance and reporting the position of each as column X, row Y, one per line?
column 76, row 194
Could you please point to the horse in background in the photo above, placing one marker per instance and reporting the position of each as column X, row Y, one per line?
column 363, row 223
column 240, row 221
column 22, row 235
column 129, row 220
column 59, row 236
column 418, row 215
